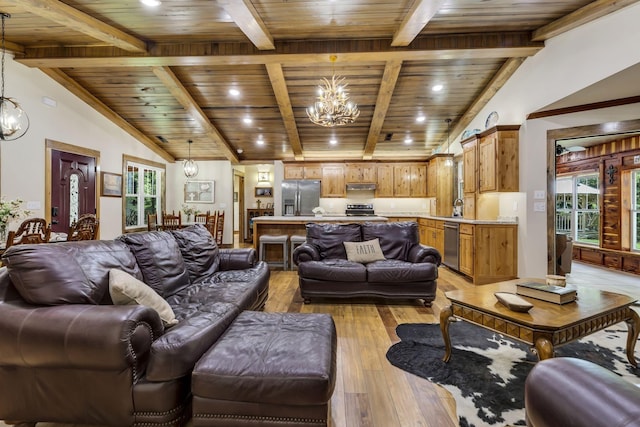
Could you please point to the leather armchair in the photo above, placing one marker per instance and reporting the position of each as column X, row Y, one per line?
column 564, row 391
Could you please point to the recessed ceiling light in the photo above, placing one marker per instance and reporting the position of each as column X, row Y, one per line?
column 408, row 140
column 152, row 3
column 437, row 88
column 247, row 120
column 333, row 141
column 420, row 118
column 234, row 92
column 239, row 150
column 260, row 141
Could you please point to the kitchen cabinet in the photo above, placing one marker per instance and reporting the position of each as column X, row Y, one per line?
column 440, row 184
column 302, row 171
column 333, row 181
column 434, row 234
column 469, row 165
column 410, row 180
column 358, row 173
column 384, row 180
column 488, row 252
column 498, row 161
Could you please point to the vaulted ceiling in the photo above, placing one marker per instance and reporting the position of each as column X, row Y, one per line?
column 164, row 73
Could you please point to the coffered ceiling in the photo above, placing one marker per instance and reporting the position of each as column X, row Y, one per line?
column 164, row 73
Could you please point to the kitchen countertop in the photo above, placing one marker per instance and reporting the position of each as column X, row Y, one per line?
column 342, row 218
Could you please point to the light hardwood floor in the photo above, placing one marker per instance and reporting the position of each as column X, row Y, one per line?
column 369, row 391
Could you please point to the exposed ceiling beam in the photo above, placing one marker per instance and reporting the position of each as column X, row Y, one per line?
column 73, row 87
column 586, row 14
column 387, row 86
column 494, row 85
column 185, row 99
column 76, row 20
column 467, row 46
column 14, row 47
column 416, row 19
column 286, row 110
column 249, row 21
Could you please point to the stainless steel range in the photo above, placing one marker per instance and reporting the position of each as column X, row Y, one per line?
column 360, row 210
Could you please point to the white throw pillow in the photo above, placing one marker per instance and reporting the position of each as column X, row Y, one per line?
column 364, row 252
column 126, row 290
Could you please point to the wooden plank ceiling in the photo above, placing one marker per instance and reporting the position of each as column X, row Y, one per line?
column 164, row 74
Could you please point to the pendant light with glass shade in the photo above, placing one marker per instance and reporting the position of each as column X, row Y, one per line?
column 14, row 122
column 190, row 167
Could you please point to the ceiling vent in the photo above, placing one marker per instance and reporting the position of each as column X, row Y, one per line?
column 388, row 137
column 162, row 139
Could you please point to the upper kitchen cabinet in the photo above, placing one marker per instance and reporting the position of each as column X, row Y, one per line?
column 410, row 180
column 498, row 166
column 469, row 165
column 358, row 173
column 333, row 181
column 302, row 171
column 440, row 183
column 384, row 180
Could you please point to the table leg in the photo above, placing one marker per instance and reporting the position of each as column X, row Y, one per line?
column 633, row 323
column 544, row 348
column 445, row 318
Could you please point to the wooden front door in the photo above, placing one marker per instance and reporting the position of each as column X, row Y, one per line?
column 73, row 188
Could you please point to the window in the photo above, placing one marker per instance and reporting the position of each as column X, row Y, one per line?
column 635, row 210
column 144, row 192
column 578, row 207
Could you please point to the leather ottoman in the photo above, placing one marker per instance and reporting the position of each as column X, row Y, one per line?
column 267, row 369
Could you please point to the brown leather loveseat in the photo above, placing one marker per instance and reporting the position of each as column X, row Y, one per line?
column 409, row 270
column 68, row 354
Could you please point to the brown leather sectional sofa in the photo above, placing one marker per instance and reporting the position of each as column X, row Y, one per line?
column 565, row 391
column 67, row 354
column 409, row 270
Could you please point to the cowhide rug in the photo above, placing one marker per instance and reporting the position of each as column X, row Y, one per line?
column 486, row 372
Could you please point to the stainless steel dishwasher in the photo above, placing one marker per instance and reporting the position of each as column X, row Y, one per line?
column 451, row 245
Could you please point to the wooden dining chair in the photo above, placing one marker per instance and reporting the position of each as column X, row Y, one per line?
column 171, row 221
column 152, row 222
column 211, row 223
column 219, row 227
column 85, row 228
column 201, row 218
column 32, row 230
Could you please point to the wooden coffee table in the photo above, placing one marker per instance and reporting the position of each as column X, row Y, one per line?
column 546, row 325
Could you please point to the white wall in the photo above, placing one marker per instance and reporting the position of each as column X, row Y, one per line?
column 221, row 173
column 22, row 163
column 568, row 63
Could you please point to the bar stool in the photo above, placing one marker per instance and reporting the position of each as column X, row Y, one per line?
column 268, row 239
column 295, row 241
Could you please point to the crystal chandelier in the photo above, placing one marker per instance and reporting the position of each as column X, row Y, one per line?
column 333, row 107
column 14, row 122
column 190, row 167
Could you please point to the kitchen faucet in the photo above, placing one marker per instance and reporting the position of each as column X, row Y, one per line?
column 457, row 207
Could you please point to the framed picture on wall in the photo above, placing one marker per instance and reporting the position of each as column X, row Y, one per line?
column 264, row 191
column 110, row 184
column 199, row 192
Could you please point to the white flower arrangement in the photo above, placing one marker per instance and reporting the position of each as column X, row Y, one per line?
column 189, row 210
column 11, row 210
column 318, row 210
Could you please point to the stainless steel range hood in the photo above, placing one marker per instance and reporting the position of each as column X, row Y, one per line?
column 361, row 187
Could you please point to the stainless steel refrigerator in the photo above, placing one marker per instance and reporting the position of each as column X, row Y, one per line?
column 300, row 197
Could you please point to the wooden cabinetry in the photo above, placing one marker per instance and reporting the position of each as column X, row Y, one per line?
column 488, row 252
column 302, row 171
column 384, row 181
column 410, row 180
column 361, row 173
column 469, row 165
column 252, row 213
column 444, row 184
column 434, row 234
column 333, row 181
column 432, row 178
column 498, row 153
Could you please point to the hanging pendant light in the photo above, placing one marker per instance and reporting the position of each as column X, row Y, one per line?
column 190, row 167
column 14, row 122
column 448, row 161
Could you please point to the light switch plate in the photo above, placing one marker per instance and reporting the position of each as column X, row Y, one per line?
column 33, row 205
column 539, row 194
column 539, row 207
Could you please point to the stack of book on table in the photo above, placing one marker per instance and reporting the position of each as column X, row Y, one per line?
column 549, row 293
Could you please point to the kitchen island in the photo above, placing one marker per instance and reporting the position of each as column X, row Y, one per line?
column 295, row 225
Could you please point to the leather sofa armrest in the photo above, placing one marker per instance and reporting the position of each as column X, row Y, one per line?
column 175, row 353
column 423, row 253
column 306, row 252
column 78, row 336
column 237, row 259
column 566, row 391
